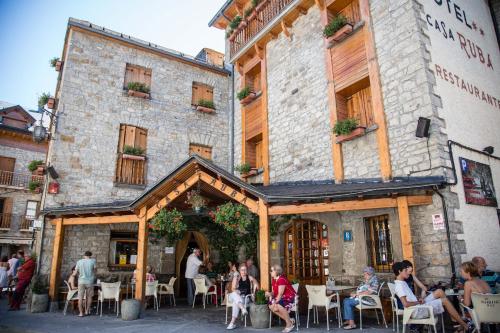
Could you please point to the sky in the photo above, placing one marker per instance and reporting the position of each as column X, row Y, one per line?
column 32, row 32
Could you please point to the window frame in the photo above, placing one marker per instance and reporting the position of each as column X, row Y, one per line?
column 196, row 97
column 374, row 254
column 121, row 237
column 29, row 217
column 147, row 72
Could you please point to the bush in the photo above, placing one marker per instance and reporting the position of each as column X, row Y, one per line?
column 345, row 126
column 43, row 99
column 243, row 93
column 168, row 224
column 53, row 61
column 39, row 285
column 232, row 217
column 34, row 165
column 235, row 22
column 335, row 25
column 255, row 3
column 133, row 150
column 260, row 297
column 138, row 86
column 206, row 103
column 243, row 168
column 33, row 185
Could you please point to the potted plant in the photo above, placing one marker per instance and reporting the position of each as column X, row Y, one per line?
column 35, row 186
column 138, row 89
column 233, row 27
column 232, row 217
column 338, row 29
column 36, row 167
column 196, row 200
column 246, row 170
column 246, row 96
column 133, row 153
column 56, row 63
column 206, row 106
column 259, row 311
column 347, row 129
column 46, row 99
column 168, row 224
column 39, row 295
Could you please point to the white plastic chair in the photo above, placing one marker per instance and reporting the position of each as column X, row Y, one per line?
column 167, row 289
column 110, row 291
column 486, row 309
column 229, row 304
column 72, row 295
column 431, row 320
column 317, row 297
column 377, row 306
column 212, row 291
column 294, row 308
column 152, row 290
column 396, row 311
column 200, row 288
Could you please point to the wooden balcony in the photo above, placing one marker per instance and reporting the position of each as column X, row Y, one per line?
column 130, row 170
column 20, row 181
column 25, row 223
column 5, row 221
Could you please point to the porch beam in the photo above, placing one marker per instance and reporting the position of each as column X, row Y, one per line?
column 264, row 245
column 99, row 220
column 251, row 204
column 142, row 255
column 348, row 205
column 55, row 268
column 405, row 229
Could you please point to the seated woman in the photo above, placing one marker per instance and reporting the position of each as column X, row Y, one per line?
column 73, row 279
column 473, row 282
column 282, row 297
column 150, row 277
column 368, row 287
column 241, row 286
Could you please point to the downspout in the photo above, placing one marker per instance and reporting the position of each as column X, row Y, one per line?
column 231, row 124
column 448, row 235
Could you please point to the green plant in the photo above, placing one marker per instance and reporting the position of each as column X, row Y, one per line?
column 138, row 86
column 39, row 285
column 335, row 25
column 260, row 297
column 243, row 168
column 233, row 217
column 255, row 3
column 33, row 165
column 295, row 281
column 195, row 199
column 346, row 126
column 168, row 224
column 235, row 22
column 54, row 61
column 206, row 103
column 248, row 11
column 43, row 99
column 33, row 185
column 243, row 93
column 133, row 150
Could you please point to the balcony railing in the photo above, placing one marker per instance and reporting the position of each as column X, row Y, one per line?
column 18, row 180
column 5, row 221
column 130, row 170
column 25, row 223
column 265, row 14
column 10, row 221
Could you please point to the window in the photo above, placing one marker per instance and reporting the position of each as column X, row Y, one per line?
column 131, row 161
column 5, row 212
column 379, row 243
column 6, row 170
column 31, row 209
column 123, row 249
column 201, row 150
column 356, row 102
column 134, row 73
column 201, row 91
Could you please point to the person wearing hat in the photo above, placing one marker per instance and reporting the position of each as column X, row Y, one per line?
column 368, row 287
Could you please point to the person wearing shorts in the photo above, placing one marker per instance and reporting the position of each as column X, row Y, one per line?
column 85, row 269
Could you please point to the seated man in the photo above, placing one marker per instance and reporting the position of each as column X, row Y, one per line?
column 490, row 277
column 409, row 299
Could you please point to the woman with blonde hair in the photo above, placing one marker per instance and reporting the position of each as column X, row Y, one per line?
column 473, row 283
column 241, row 286
column 282, row 297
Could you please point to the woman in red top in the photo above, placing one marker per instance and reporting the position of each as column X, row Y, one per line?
column 282, row 297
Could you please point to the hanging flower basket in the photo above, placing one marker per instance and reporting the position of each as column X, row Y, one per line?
column 232, row 217
column 196, row 200
column 168, row 224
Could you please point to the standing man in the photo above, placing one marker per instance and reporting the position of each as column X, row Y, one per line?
column 13, row 265
column 86, row 269
column 192, row 265
column 252, row 269
column 24, row 275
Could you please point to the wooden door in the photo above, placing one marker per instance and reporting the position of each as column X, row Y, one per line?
column 6, row 170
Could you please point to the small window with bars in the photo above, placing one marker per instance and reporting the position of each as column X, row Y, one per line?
column 379, row 243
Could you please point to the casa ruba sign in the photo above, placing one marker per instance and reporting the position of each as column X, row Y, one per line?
column 478, row 183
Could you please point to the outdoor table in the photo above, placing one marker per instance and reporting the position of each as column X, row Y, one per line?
column 451, row 292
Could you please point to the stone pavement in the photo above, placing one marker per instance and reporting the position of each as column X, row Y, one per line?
column 168, row 319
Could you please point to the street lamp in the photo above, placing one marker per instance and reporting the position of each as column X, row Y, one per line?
column 40, row 132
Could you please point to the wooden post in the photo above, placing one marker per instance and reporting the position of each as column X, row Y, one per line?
column 264, row 245
column 404, row 228
column 55, row 270
column 142, row 255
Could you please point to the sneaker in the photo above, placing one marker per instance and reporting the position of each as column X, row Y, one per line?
column 231, row 326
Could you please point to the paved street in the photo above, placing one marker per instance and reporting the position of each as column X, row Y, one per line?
column 168, row 319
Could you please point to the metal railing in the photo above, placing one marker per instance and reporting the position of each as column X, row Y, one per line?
column 15, row 222
column 19, row 180
column 25, row 223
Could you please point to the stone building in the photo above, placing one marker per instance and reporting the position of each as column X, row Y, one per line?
column 20, row 190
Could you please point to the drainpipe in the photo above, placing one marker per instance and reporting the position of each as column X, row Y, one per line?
column 448, row 235
column 231, row 124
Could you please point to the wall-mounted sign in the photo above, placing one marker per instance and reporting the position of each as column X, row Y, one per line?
column 478, row 183
column 169, row 250
column 438, row 221
column 123, row 259
column 347, row 235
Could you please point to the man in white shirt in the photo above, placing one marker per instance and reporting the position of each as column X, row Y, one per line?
column 192, row 265
column 409, row 299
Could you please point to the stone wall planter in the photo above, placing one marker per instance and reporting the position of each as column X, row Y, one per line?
column 51, row 103
column 130, row 308
column 249, row 99
column 204, row 109
column 133, row 157
column 259, row 315
column 359, row 131
column 59, row 64
column 39, row 303
column 139, row 94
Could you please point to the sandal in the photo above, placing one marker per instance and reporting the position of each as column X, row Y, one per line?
column 349, row 327
column 288, row 329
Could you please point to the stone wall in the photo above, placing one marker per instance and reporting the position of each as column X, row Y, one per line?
column 92, row 105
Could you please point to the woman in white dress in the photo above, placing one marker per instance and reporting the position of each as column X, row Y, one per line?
column 4, row 277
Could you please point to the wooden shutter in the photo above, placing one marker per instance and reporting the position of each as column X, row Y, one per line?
column 258, row 154
column 351, row 12
column 7, row 164
column 141, row 138
column 5, row 216
column 208, row 93
column 127, row 170
column 135, row 73
column 203, row 151
column 359, row 106
column 197, row 93
column 7, row 205
column 201, row 91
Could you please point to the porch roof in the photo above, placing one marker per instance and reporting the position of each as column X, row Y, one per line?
column 289, row 192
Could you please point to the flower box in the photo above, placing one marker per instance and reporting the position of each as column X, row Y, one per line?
column 251, row 173
column 39, row 171
column 242, row 25
column 51, row 103
column 134, row 93
column 249, row 99
column 357, row 132
column 340, row 35
column 133, row 157
column 205, row 109
column 58, row 66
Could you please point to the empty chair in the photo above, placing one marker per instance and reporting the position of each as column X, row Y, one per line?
column 152, row 291
column 431, row 320
column 212, row 291
column 317, row 298
column 396, row 311
column 486, row 309
column 370, row 302
column 167, row 289
column 200, row 288
column 109, row 291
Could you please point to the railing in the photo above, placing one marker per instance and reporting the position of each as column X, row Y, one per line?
column 25, row 223
column 130, row 170
column 266, row 12
column 20, row 180
column 5, row 221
